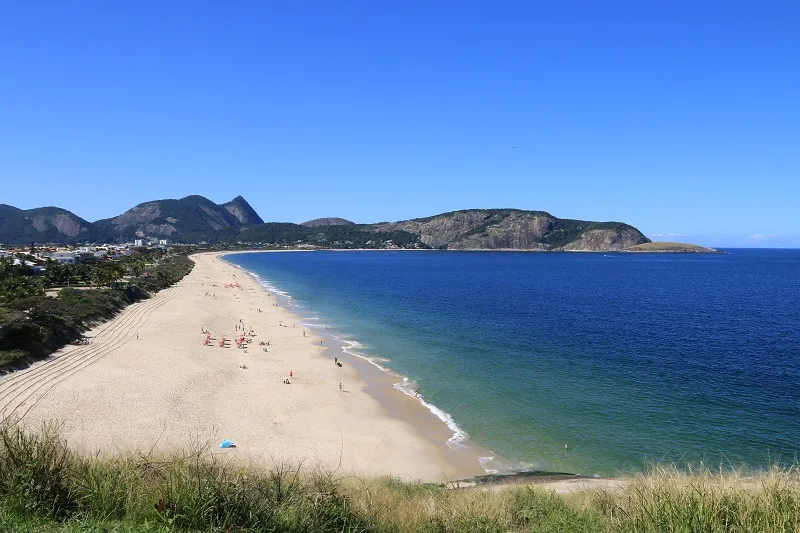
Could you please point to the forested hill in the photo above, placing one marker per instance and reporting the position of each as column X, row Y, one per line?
column 43, row 224
column 514, row 229
column 196, row 219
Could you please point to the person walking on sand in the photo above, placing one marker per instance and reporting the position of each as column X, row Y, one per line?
column 290, row 374
column 340, row 386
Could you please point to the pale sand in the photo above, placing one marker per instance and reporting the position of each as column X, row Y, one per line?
column 165, row 391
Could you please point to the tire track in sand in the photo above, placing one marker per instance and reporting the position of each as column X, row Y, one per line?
column 112, row 337
column 126, row 320
column 37, row 382
column 123, row 319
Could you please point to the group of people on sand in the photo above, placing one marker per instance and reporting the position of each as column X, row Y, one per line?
column 240, row 326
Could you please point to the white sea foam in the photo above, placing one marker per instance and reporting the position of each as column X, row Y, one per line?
column 350, row 342
column 491, row 464
column 269, row 286
column 349, row 348
column 485, row 464
column 409, row 387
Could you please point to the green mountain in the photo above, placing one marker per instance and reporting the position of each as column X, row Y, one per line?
column 239, row 208
column 43, row 224
column 174, row 218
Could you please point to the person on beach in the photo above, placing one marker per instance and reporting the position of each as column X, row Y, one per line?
column 335, row 360
column 290, row 373
column 340, row 386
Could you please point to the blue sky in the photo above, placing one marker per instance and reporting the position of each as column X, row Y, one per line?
column 681, row 118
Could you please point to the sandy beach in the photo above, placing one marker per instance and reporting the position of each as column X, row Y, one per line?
column 148, row 384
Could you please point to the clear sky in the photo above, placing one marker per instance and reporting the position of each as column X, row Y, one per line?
column 681, row 118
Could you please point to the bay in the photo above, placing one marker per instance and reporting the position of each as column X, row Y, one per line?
column 629, row 359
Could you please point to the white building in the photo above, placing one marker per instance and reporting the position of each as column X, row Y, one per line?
column 163, row 242
column 62, row 258
column 138, row 243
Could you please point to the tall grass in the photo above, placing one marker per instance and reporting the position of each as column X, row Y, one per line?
column 46, row 487
column 669, row 500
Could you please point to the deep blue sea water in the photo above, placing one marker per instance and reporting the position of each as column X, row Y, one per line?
column 628, row 358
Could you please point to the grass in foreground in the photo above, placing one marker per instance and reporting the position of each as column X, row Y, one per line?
column 45, row 487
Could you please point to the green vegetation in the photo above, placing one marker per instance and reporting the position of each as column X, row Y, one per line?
column 671, row 247
column 502, row 213
column 44, row 486
column 567, row 230
column 286, row 234
column 33, row 325
column 17, row 225
column 18, row 282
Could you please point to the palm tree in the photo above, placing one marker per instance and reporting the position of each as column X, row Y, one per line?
column 136, row 266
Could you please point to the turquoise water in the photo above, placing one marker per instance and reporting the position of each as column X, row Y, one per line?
column 627, row 358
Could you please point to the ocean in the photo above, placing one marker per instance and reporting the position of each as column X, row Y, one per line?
column 627, row 359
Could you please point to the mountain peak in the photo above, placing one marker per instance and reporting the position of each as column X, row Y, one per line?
column 244, row 213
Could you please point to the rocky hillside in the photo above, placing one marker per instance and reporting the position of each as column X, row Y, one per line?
column 173, row 218
column 239, row 208
column 195, row 219
column 513, row 229
column 43, row 224
column 317, row 222
column 170, row 219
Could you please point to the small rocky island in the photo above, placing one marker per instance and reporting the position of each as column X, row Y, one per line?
column 675, row 247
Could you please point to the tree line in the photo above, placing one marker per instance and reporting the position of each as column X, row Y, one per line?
column 32, row 325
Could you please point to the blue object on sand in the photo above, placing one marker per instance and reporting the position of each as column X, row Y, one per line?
column 226, row 444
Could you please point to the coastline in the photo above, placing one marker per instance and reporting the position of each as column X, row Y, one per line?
column 147, row 384
column 440, row 429
column 381, row 383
